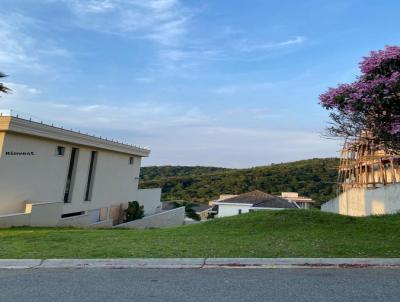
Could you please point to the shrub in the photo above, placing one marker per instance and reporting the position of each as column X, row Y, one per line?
column 134, row 211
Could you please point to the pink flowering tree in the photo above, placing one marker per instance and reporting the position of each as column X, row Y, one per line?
column 372, row 103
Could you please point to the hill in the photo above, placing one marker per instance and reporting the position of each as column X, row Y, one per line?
column 314, row 178
column 289, row 233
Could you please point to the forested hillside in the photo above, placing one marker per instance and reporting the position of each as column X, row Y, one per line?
column 314, row 177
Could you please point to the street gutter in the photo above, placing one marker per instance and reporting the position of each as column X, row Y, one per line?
column 200, row 263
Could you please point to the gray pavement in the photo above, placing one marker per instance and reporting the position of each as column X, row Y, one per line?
column 214, row 284
column 199, row 263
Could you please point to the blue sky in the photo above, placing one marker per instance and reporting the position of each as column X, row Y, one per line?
column 216, row 82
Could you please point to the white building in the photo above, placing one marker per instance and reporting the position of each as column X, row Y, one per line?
column 302, row 202
column 252, row 201
column 50, row 176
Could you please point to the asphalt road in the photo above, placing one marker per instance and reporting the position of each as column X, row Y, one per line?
column 59, row 285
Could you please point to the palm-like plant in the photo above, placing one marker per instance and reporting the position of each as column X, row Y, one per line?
column 3, row 88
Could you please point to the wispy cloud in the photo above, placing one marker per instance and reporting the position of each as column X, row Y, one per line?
column 15, row 45
column 247, row 46
column 143, row 116
column 161, row 21
column 22, row 50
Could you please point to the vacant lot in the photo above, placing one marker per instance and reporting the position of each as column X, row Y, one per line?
column 291, row 233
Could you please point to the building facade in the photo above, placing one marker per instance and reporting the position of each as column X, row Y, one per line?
column 51, row 176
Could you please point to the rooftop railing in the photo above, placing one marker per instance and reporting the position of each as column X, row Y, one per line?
column 30, row 118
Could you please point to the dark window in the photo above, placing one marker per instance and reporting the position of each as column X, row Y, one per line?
column 131, row 160
column 60, row 151
column 240, row 212
column 90, row 180
column 71, row 175
column 72, row 214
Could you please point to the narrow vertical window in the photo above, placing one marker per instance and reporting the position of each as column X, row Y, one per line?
column 92, row 169
column 131, row 160
column 71, row 175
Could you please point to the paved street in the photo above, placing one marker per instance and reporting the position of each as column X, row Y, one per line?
column 49, row 285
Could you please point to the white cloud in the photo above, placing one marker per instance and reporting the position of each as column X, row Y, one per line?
column 138, row 116
column 20, row 49
column 238, row 147
column 162, row 21
column 245, row 46
column 15, row 45
column 250, row 113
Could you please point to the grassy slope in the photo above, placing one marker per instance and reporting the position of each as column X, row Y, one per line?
column 313, row 177
column 291, row 233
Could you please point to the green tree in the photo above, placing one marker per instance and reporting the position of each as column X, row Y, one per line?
column 134, row 211
column 3, row 88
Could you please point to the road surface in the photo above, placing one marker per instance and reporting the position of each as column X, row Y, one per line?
column 217, row 285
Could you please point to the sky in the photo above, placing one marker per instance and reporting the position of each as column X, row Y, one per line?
column 228, row 83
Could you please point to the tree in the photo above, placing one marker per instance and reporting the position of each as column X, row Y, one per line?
column 370, row 106
column 134, row 211
column 3, row 88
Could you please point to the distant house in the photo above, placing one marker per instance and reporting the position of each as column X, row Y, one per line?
column 303, row 202
column 201, row 209
column 252, row 201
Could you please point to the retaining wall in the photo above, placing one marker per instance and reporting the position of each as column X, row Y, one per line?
column 165, row 219
column 366, row 201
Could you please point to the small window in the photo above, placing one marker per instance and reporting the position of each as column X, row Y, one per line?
column 131, row 160
column 240, row 212
column 60, row 151
column 72, row 214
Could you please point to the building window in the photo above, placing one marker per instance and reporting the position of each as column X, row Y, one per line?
column 72, row 214
column 240, row 211
column 71, row 175
column 131, row 160
column 92, row 169
column 60, row 151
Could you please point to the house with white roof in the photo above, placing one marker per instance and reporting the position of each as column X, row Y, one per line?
column 249, row 202
column 50, row 176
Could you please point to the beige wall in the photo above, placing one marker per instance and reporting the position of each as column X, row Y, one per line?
column 165, row 219
column 41, row 177
column 15, row 220
column 150, row 198
column 366, row 201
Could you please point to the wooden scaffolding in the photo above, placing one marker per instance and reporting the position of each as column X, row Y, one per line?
column 365, row 163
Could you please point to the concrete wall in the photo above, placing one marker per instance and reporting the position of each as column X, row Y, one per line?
column 165, row 219
column 225, row 210
column 366, row 201
column 21, row 219
column 45, row 214
column 150, row 199
column 42, row 176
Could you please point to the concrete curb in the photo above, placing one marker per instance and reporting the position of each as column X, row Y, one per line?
column 201, row 263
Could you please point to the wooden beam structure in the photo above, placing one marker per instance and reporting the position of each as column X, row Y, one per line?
column 366, row 164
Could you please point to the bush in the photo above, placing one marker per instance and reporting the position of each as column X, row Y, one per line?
column 134, row 211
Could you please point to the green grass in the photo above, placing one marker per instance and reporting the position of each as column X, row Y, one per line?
column 290, row 233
